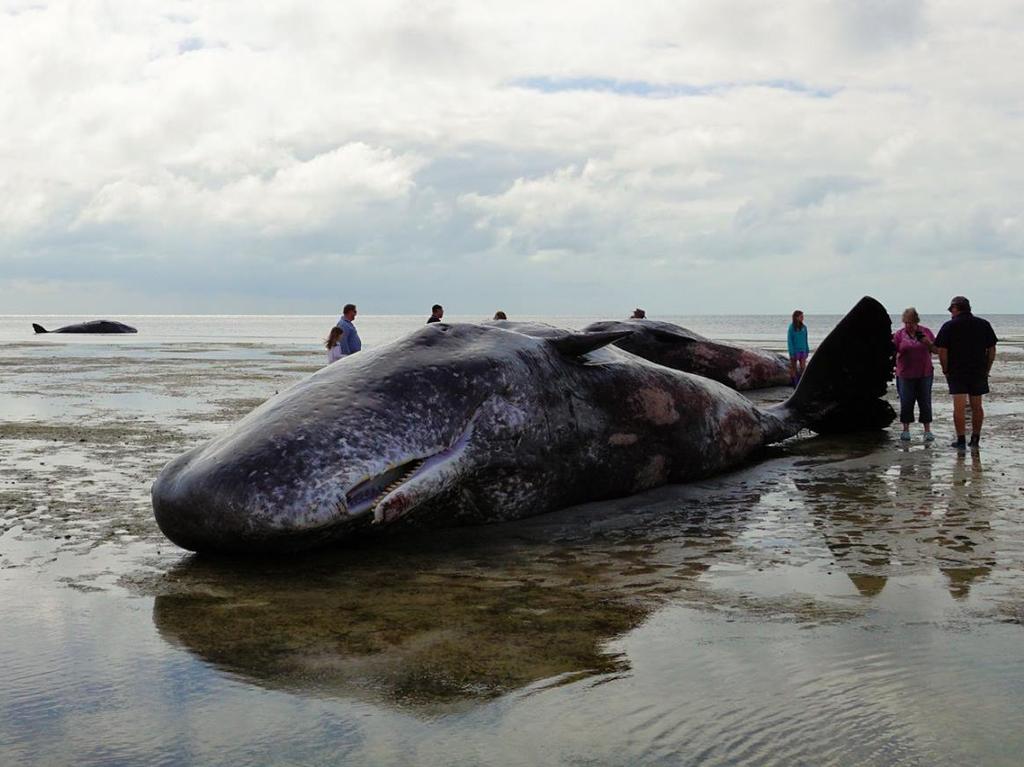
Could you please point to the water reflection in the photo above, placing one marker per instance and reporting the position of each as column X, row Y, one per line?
column 904, row 511
column 965, row 530
column 465, row 616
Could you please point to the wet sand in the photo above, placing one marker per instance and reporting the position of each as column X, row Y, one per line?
column 843, row 601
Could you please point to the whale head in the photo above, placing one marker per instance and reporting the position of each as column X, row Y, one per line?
column 448, row 424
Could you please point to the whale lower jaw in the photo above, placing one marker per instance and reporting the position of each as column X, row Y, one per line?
column 367, row 495
column 404, row 486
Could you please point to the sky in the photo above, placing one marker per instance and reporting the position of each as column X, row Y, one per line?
column 686, row 156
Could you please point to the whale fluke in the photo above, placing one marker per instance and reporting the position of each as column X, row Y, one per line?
column 844, row 383
column 39, row 328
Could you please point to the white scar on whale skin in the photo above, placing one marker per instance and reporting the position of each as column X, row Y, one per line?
column 623, row 440
column 656, row 405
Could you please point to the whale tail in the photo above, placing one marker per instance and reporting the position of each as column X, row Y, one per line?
column 843, row 387
column 39, row 328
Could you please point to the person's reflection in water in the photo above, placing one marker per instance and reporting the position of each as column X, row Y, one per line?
column 850, row 510
column 913, row 488
column 875, row 517
column 964, row 531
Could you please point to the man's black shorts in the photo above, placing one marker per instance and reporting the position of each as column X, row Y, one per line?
column 973, row 385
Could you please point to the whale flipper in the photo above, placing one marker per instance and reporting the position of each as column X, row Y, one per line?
column 578, row 344
column 39, row 328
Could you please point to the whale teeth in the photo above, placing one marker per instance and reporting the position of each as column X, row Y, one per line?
column 394, row 485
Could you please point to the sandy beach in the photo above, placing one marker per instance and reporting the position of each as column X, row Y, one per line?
column 860, row 595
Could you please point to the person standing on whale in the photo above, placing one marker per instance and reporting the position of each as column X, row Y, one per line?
column 799, row 347
column 350, row 342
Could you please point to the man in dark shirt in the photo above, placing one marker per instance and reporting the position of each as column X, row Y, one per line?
column 967, row 348
column 436, row 313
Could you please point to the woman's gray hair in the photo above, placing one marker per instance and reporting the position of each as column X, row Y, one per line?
column 914, row 316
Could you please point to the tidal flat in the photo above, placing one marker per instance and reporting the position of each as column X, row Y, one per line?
column 851, row 600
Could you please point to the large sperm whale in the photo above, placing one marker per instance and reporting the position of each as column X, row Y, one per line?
column 92, row 326
column 738, row 367
column 471, row 423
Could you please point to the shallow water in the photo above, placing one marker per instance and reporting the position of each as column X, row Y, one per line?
column 843, row 601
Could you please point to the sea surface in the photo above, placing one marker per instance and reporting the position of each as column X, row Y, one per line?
column 765, row 330
column 844, row 601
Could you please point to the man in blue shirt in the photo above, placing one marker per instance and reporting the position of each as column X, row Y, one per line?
column 967, row 348
column 349, row 342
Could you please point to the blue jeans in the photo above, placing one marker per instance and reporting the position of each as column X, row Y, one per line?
column 913, row 390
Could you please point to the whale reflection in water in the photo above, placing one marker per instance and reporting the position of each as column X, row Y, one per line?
column 473, row 614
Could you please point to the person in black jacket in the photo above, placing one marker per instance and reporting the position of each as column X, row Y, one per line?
column 436, row 313
column 967, row 348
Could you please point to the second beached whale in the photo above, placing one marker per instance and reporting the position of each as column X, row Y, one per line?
column 93, row 326
column 471, row 423
column 738, row 367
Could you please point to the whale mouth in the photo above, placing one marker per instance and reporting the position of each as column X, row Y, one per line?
column 370, row 495
column 370, row 492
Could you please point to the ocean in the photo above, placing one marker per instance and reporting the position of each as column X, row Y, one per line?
column 766, row 331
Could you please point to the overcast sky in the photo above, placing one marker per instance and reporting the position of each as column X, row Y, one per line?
column 546, row 157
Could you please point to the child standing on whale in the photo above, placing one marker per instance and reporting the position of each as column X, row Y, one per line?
column 799, row 347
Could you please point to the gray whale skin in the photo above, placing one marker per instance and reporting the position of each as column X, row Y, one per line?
column 93, row 326
column 471, row 423
column 738, row 367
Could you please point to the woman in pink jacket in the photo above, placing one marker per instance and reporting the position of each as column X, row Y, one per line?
column 915, row 345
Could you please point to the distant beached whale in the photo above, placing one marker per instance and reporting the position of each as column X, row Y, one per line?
column 738, row 367
column 471, row 423
column 93, row 326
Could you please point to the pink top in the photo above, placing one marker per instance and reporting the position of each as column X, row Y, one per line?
column 913, row 360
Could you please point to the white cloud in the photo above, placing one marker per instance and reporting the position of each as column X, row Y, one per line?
column 297, row 196
column 824, row 146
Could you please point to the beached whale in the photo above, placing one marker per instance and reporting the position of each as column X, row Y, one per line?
column 738, row 367
column 93, row 326
column 472, row 423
